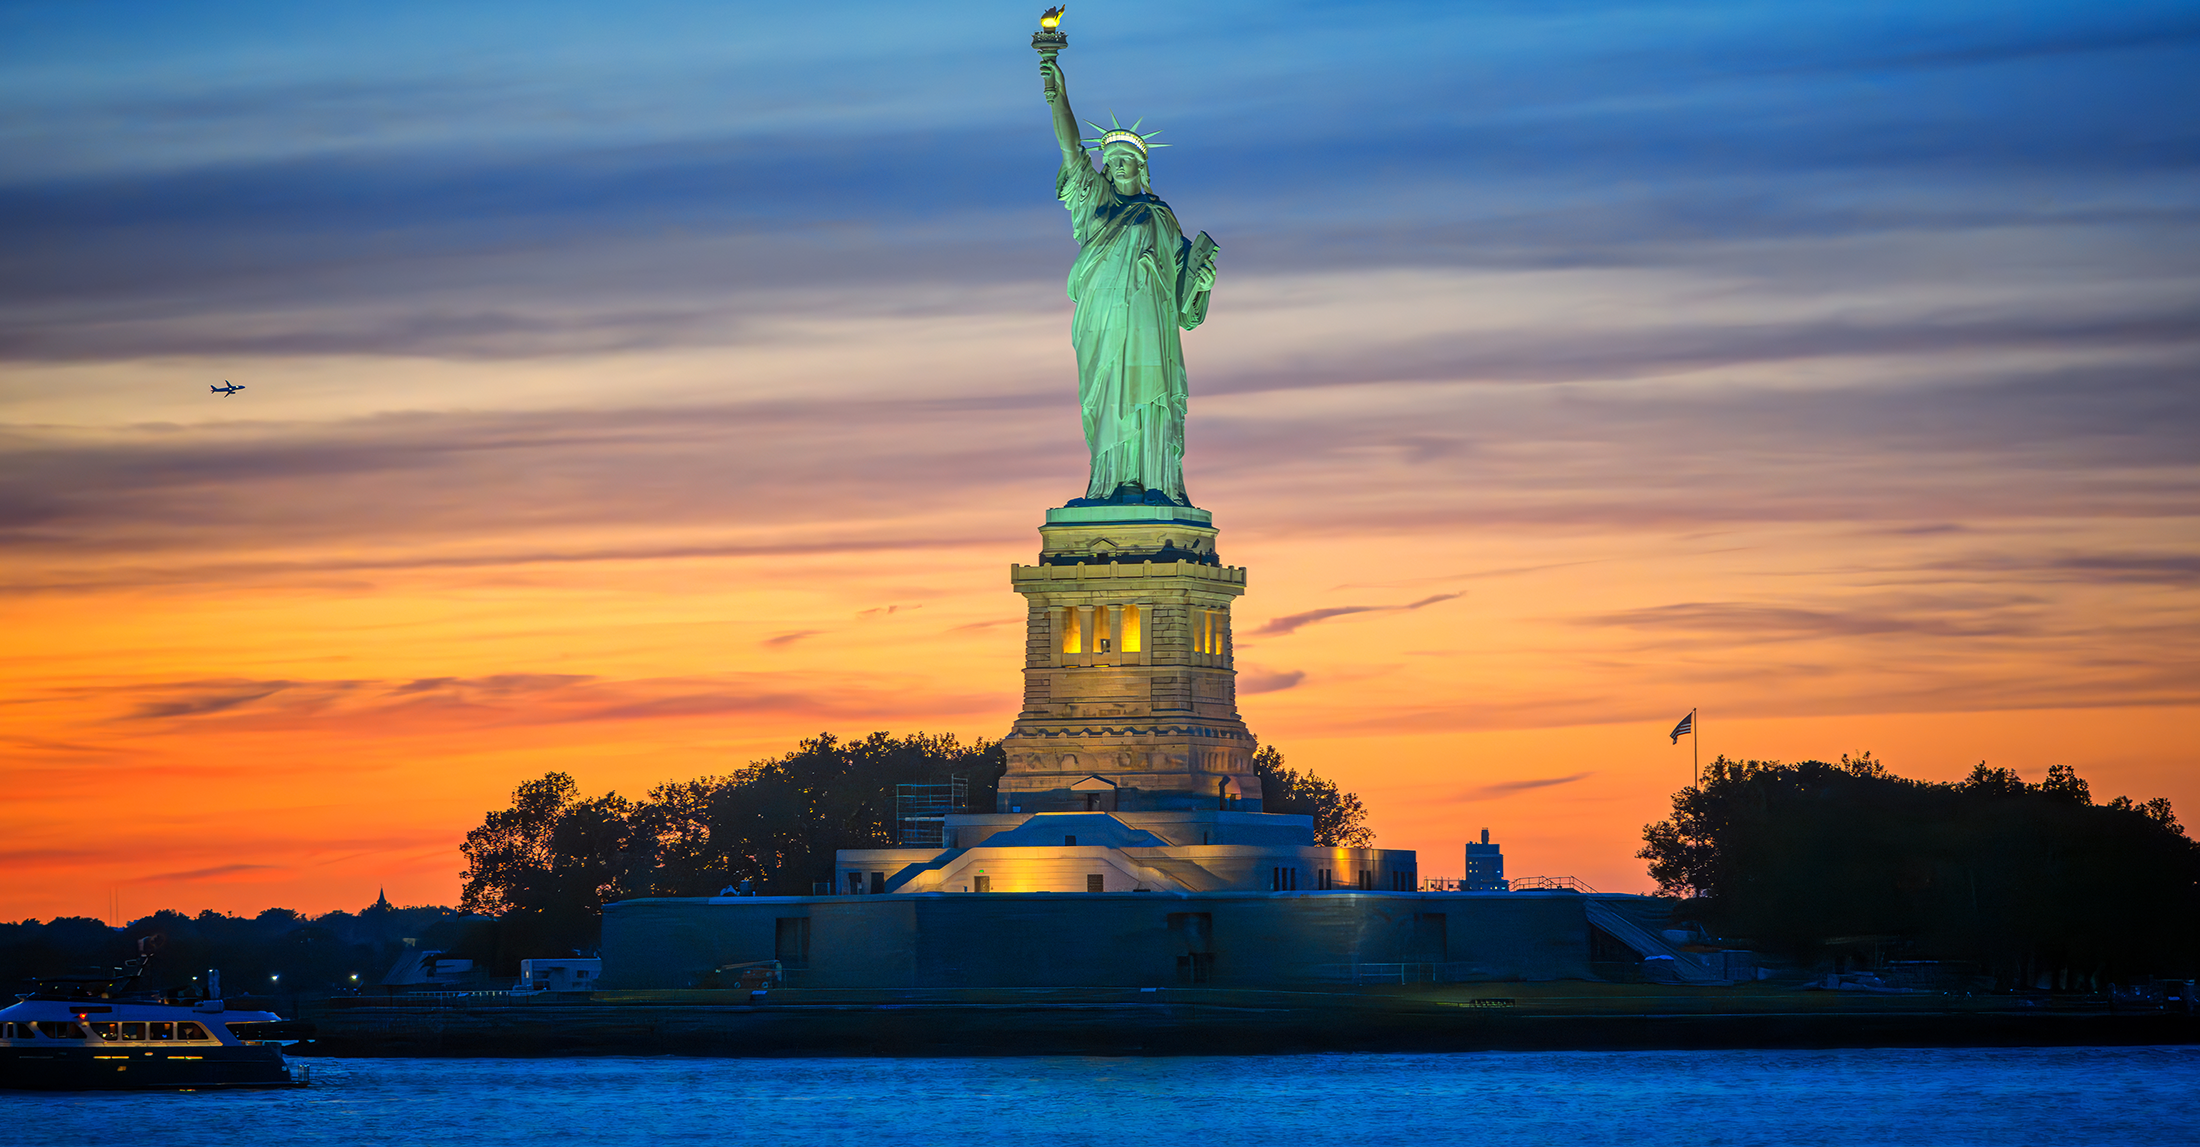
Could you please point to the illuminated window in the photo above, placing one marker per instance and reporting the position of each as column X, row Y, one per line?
column 134, row 1030
column 1067, row 622
column 194, row 1031
column 1129, row 633
column 1207, row 631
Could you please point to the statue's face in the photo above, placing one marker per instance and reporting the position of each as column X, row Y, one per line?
column 1125, row 169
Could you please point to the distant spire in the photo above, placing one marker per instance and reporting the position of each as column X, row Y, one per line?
column 381, row 899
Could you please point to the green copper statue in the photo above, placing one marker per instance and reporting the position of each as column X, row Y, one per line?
column 1136, row 282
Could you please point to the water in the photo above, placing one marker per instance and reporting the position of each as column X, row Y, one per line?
column 1701, row 1099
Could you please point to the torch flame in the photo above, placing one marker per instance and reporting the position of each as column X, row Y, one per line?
column 1052, row 18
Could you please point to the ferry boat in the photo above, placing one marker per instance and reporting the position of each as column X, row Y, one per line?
column 102, row 1033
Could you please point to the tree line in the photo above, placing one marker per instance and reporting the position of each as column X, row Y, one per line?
column 546, row 865
column 276, row 953
column 539, row 872
column 2026, row 882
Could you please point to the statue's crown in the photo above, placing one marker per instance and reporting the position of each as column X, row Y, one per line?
column 1125, row 135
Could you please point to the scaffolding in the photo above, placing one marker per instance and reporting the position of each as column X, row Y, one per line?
column 920, row 811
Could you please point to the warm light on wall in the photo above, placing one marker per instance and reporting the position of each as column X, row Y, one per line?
column 1099, row 629
column 1207, row 631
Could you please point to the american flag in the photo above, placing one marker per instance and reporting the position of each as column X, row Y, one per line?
column 1687, row 726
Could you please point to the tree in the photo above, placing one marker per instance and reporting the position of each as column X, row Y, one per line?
column 1340, row 820
column 778, row 822
column 2021, row 879
column 548, row 864
column 310, row 954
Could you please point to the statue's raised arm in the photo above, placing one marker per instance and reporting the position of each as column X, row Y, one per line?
column 1057, row 95
column 1137, row 283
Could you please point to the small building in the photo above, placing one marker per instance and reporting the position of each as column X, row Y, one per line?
column 568, row 974
column 1485, row 867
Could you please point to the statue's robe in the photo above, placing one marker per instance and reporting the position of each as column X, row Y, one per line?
column 1133, row 293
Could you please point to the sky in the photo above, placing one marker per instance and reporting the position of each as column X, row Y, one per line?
column 633, row 390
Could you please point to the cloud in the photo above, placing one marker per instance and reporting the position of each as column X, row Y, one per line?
column 214, row 698
column 461, row 706
column 404, row 203
column 1749, row 621
column 2099, row 569
column 1252, row 680
column 495, row 685
column 1292, row 623
column 216, row 872
column 1508, row 788
column 786, row 639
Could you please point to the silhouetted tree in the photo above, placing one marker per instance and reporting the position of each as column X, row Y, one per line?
column 310, row 954
column 547, row 865
column 1340, row 820
column 779, row 821
column 2022, row 879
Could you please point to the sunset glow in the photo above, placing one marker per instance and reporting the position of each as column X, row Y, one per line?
column 1811, row 372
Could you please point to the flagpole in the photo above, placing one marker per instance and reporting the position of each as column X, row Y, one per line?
column 1695, row 748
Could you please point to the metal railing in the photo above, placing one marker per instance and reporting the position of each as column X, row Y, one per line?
column 1549, row 884
column 1448, row 884
column 1438, row 972
column 1516, row 884
column 500, row 996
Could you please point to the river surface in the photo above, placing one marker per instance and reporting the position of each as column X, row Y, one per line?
column 1848, row 1098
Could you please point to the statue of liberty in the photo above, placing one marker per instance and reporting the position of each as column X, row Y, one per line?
column 1137, row 282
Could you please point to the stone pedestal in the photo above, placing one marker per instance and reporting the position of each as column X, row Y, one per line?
column 1130, row 694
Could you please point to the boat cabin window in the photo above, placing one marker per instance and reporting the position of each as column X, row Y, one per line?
column 104, row 1031
column 188, row 1030
column 60, row 1029
column 133, row 1029
column 163, row 1029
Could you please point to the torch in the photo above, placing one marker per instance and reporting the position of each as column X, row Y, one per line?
column 1050, row 38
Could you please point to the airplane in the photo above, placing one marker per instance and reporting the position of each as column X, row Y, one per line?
column 226, row 389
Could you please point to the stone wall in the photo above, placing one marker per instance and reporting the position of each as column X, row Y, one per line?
column 1104, row 939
